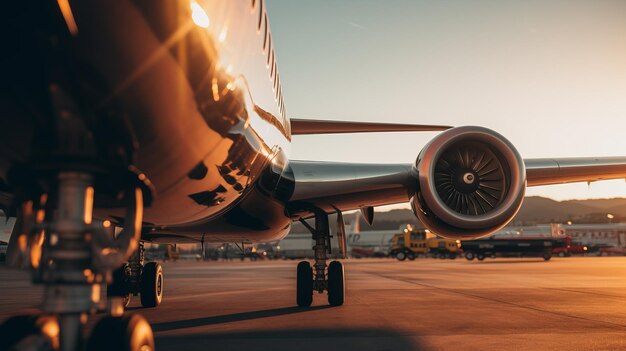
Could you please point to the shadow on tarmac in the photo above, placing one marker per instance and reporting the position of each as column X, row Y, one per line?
column 235, row 317
column 540, row 260
column 299, row 339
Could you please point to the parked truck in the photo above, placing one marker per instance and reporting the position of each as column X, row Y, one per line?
column 494, row 246
column 412, row 243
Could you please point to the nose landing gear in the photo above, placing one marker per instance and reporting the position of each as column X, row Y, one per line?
column 73, row 258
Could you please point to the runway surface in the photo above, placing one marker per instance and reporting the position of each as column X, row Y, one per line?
column 501, row 304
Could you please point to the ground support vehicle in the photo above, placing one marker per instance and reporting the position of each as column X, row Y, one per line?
column 412, row 243
column 511, row 247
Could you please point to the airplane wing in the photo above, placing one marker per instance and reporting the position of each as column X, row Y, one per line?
column 350, row 186
column 468, row 182
column 309, row 126
column 547, row 171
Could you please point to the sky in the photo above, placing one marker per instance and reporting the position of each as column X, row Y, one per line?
column 548, row 75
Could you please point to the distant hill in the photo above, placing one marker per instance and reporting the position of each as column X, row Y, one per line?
column 535, row 210
column 602, row 204
column 543, row 210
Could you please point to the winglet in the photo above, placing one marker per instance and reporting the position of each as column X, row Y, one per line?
column 310, row 126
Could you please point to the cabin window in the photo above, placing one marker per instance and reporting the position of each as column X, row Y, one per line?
column 260, row 15
column 265, row 35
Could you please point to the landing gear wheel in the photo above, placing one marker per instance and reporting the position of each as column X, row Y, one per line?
column 336, row 284
column 401, row 256
column 151, row 285
column 480, row 257
column 127, row 333
column 304, row 287
column 30, row 333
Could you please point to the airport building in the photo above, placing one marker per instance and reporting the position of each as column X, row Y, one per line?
column 611, row 235
column 607, row 235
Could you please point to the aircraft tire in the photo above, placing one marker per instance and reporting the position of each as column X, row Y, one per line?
column 37, row 332
column 304, row 284
column 151, row 285
column 129, row 333
column 336, row 283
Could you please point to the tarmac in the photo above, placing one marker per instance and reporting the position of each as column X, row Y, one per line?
column 576, row 303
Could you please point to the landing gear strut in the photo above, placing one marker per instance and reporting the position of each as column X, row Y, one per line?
column 73, row 258
column 55, row 235
column 321, row 277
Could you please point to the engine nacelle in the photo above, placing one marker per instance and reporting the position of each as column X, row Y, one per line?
column 471, row 183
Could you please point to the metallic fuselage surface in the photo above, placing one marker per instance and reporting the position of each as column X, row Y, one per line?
column 196, row 89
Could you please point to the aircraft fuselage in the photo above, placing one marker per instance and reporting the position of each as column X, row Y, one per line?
column 192, row 87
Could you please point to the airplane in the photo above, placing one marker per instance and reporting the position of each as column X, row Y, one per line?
column 139, row 121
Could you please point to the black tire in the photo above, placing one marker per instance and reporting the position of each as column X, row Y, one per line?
column 469, row 256
column 336, row 284
column 452, row 256
column 401, row 255
column 26, row 332
column 547, row 256
column 480, row 256
column 126, row 333
column 411, row 256
column 151, row 285
column 304, row 284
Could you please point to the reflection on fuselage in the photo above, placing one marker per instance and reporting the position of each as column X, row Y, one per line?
column 188, row 92
column 241, row 105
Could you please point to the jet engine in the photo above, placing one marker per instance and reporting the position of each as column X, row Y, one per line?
column 471, row 183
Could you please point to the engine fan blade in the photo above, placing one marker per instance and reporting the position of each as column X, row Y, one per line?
column 470, row 179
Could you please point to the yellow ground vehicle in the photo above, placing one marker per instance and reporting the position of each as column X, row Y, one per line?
column 412, row 243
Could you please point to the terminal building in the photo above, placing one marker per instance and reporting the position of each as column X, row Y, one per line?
column 609, row 235
column 603, row 235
